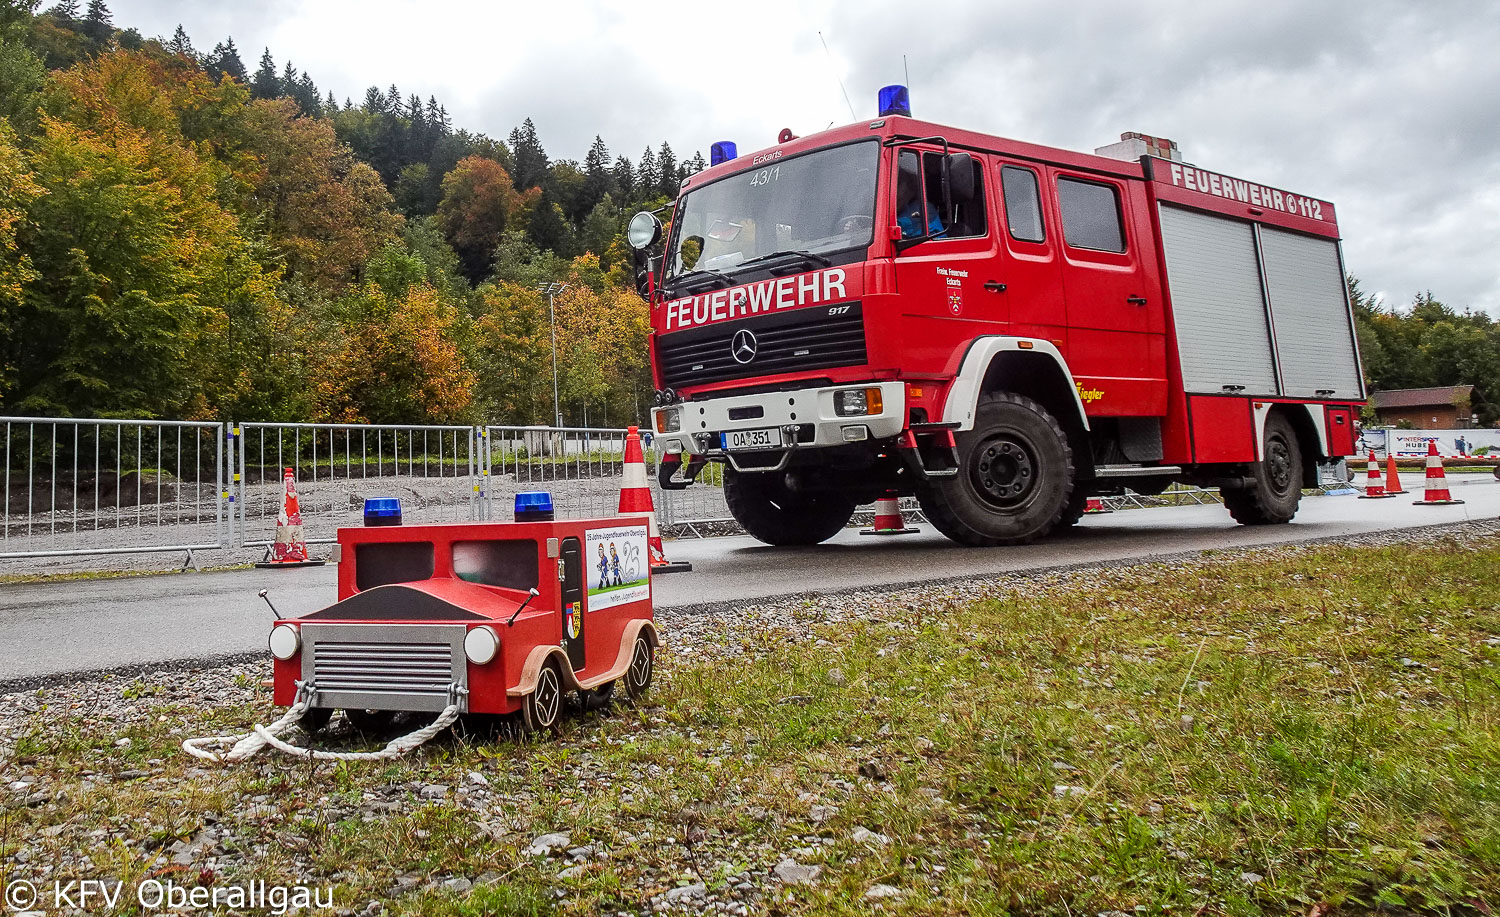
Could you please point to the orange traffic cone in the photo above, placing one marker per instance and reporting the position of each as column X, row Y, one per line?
column 1373, row 488
column 635, row 500
column 1437, row 481
column 888, row 519
column 1093, row 506
column 290, row 547
column 1392, row 479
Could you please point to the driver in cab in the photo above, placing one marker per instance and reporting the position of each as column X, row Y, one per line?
column 909, row 208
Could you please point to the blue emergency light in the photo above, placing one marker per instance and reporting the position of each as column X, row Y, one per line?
column 383, row 511
column 723, row 151
column 894, row 100
column 534, row 506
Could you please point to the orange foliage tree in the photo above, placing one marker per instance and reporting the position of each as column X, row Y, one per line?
column 480, row 202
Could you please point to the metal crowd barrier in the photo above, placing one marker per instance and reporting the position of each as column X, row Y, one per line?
column 90, row 486
column 81, row 487
column 337, row 466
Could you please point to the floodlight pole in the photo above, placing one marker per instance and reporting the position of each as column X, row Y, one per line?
column 550, row 289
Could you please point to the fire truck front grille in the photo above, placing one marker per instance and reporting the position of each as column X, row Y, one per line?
column 806, row 339
column 384, row 667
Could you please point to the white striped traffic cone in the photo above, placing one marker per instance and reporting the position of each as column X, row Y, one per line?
column 635, row 500
column 290, row 547
column 1375, row 487
column 888, row 519
column 1437, row 481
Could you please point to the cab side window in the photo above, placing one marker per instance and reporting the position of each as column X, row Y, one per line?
column 1090, row 215
column 919, row 198
column 1023, row 204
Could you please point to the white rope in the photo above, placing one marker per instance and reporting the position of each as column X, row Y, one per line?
column 249, row 744
column 397, row 746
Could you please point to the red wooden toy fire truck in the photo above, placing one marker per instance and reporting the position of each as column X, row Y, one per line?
column 499, row 618
column 999, row 328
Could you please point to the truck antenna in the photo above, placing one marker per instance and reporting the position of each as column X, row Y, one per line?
column 836, row 78
column 907, row 71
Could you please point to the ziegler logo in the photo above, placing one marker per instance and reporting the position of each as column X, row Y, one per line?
column 1090, row 395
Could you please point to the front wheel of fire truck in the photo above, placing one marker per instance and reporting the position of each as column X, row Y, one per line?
column 763, row 505
column 542, row 708
column 1277, row 488
column 1015, row 475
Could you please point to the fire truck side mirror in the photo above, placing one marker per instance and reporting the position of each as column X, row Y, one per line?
column 961, row 177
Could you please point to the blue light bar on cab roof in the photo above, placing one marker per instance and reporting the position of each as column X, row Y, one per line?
column 723, row 151
column 894, row 100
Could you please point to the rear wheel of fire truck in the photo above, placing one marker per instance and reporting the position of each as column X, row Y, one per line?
column 1015, row 476
column 1278, row 479
column 642, row 667
column 543, row 706
column 770, row 512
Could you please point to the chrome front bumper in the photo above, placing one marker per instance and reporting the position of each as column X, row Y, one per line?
column 704, row 422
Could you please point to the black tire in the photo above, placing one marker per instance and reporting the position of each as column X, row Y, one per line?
column 642, row 668
column 1015, row 476
column 599, row 697
column 761, row 503
column 542, row 708
column 315, row 718
column 1278, row 479
column 371, row 722
column 1078, row 501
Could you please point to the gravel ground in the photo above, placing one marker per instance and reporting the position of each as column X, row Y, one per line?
column 229, row 839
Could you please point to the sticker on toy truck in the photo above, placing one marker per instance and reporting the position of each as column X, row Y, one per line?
column 616, row 560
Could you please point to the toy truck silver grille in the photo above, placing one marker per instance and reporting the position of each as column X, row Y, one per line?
column 384, row 666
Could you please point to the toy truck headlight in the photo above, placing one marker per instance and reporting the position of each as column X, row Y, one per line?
column 857, row 402
column 481, row 644
column 669, row 421
column 285, row 641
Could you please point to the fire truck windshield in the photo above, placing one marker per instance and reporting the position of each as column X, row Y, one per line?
column 815, row 203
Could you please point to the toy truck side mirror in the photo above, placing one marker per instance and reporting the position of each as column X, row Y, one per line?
column 521, row 606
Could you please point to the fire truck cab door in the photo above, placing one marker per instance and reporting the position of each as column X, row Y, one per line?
column 944, row 299
column 574, row 633
column 1116, row 332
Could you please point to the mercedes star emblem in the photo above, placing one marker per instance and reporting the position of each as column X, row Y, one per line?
column 743, row 346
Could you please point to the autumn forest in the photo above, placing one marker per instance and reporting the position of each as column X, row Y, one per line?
column 183, row 235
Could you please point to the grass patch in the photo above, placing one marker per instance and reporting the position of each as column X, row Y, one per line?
column 69, row 576
column 1301, row 731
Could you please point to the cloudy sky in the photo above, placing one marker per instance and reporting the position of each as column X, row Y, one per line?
column 1389, row 109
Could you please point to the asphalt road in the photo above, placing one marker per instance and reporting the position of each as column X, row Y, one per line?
column 51, row 629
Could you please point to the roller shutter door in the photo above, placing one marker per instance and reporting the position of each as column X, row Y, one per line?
column 1220, row 313
column 1306, row 283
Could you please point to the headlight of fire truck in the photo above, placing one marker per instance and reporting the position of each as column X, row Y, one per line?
column 857, row 402
column 481, row 644
column 285, row 641
column 669, row 421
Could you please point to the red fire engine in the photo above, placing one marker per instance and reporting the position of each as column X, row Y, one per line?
column 999, row 328
column 496, row 618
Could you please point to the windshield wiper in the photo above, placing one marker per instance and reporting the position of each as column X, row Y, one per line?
column 693, row 277
column 777, row 256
